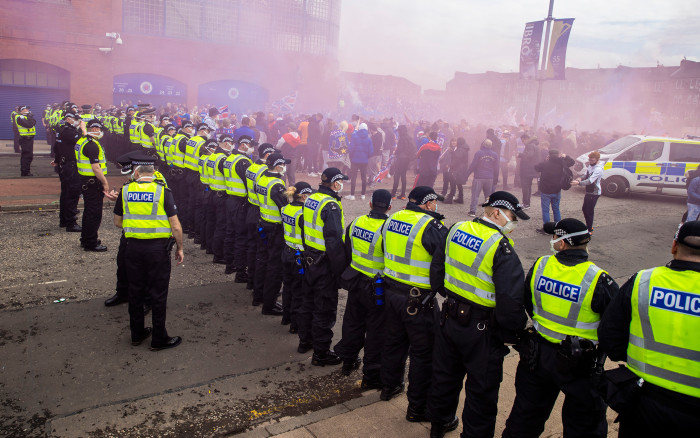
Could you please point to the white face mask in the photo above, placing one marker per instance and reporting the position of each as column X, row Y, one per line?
column 245, row 151
column 75, row 124
column 510, row 225
column 566, row 236
column 96, row 135
column 340, row 189
column 282, row 170
column 436, row 207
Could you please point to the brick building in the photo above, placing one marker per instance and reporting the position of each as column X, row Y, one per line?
column 242, row 53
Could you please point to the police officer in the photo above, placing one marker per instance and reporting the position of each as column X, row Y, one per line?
column 192, row 179
column 129, row 118
column 565, row 295
column 412, row 237
column 149, row 219
column 483, row 281
column 122, row 288
column 252, row 221
column 203, row 197
column 324, row 253
column 363, row 322
column 236, row 237
column 164, row 139
column 293, row 253
column 176, row 175
column 86, row 113
column 216, row 213
column 67, row 135
column 26, row 129
column 92, row 168
column 270, row 190
column 653, row 324
column 147, row 131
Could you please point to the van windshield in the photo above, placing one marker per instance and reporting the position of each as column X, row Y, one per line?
column 618, row 145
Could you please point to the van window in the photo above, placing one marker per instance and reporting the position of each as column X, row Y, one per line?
column 648, row 151
column 685, row 153
column 618, row 145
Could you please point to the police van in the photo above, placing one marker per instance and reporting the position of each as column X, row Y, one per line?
column 638, row 163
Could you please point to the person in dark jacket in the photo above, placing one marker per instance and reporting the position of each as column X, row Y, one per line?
column 496, row 147
column 528, row 159
column 448, row 177
column 375, row 161
column 485, row 170
column 404, row 153
column 428, row 156
column 551, row 172
column 459, row 167
column 313, row 145
column 360, row 150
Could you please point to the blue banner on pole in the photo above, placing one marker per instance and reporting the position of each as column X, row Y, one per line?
column 530, row 50
column 556, row 61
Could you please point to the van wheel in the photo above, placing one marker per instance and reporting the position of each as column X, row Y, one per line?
column 615, row 186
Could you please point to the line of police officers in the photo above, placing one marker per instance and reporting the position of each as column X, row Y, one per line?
column 397, row 265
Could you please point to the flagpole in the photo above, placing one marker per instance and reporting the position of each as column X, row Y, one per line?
column 540, row 76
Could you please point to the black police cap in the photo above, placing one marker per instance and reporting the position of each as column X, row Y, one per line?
column 503, row 199
column 333, row 174
column 276, row 159
column 688, row 229
column 569, row 226
column 423, row 194
column 381, row 198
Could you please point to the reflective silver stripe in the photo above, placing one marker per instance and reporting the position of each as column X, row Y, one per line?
column 474, row 272
column 551, row 333
column 571, row 320
column 408, row 261
column 293, row 234
column 408, row 277
column 648, row 342
column 683, row 379
column 313, row 225
column 236, row 190
column 314, row 240
column 491, row 296
column 145, row 217
column 147, row 230
column 277, row 214
column 411, row 239
column 368, row 257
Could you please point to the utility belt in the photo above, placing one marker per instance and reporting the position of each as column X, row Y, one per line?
column 575, row 356
column 418, row 297
column 90, row 182
column 298, row 257
column 175, row 170
column 313, row 256
column 465, row 313
column 221, row 193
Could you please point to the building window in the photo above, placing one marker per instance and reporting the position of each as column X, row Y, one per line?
column 25, row 73
column 144, row 16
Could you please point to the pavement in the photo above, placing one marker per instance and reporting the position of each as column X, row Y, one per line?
column 67, row 369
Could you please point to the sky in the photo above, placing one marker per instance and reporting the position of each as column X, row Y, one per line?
column 427, row 41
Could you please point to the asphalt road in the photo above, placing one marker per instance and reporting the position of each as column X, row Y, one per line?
column 68, row 369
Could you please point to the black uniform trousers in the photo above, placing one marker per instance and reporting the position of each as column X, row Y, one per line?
column 148, row 271
column 474, row 350
column 122, row 277
column 267, row 272
column 216, row 223
column 190, row 187
column 363, row 326
column 70, row 194
column 254, row 242
column 583, row 413
column 15, row 133
column 401, row 332
column 199, row 213
column 236, row 236
column 175, row 182
column 659, row 412
column 319, row 305
column 26, row 144
column 93, row 196
column 291, row 286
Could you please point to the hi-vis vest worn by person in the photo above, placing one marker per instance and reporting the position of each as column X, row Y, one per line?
column 177, row 157
column 214, row 176
column 83, row 162
column 561, row 298
column 202, row 169
column 405, row 258
column 469, row 262
column 24, row 132
column 252, row 174
column 145, row 139
column 144, row 211
column 163, row 148
column 192, row 152
column 313, row 224
column 135, row 131
column 269, row 211
column 366, row 243
column 293, row 234
column 235, row 186
column 664, row 346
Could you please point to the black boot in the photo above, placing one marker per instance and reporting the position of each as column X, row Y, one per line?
column 327, row 358
column 350, row 365
column 438, row 430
